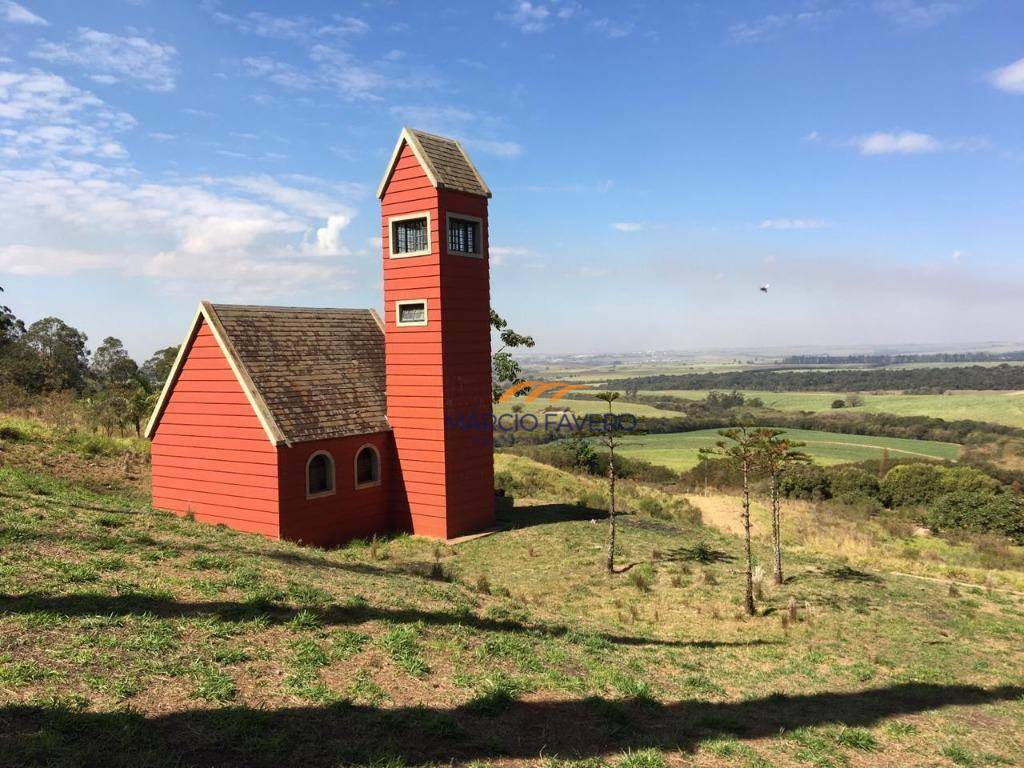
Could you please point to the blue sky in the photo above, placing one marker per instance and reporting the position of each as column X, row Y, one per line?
column 652, row 163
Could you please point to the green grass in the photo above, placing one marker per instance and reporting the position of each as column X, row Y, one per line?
column 160, row 641
column 679, row 450
column 991, row 406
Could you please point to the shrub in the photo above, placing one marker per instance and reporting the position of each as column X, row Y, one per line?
column 979, row 512
column 922, row 484
column 912, row 484
column 805, row 481
column 839, row 403
column 854, row 486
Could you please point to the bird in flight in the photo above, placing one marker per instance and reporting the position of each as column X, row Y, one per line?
column 764, row 288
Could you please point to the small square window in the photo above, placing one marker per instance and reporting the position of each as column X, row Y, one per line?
column 411, row 235
column 463, row 236
column 411, row 313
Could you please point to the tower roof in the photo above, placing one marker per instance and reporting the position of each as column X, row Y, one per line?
column 444, row 161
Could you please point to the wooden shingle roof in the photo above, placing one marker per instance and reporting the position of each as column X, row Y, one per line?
column 310, row 374
column 444, row 161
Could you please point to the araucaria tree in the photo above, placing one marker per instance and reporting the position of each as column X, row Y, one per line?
column 610, row 437
column 777, row 453
column 742, row 447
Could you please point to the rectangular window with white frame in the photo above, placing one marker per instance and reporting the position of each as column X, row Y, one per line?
column 465, row 235
column 409, row 235
column 411, row 312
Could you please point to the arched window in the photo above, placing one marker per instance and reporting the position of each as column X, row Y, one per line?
column 319, row 475
column 367, row 467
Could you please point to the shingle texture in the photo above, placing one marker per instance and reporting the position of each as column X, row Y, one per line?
column 320, row 371
column 450, row 165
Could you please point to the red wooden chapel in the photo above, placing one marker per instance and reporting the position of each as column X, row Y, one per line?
column 322, row 425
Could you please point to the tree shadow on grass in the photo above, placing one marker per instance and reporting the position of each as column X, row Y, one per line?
column 357, row 612
column 547, row 514
column 846, row 573
column 526, row 730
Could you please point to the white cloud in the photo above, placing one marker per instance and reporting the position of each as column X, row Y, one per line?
column 629, row 226
column 267, row 25
column 112, row 58
column 278, row 72
column 903, row 143
column 460, row 124
column 13, row 13
column 1009, row 78
column 496, row 148
column 530, row 17
column 957, row 256
column 254, row 236
column 42, row 260
column 758, row 29
column 65, row 180
column 917, row 13
column 914, row 143
column 42, row 115
column 793, row 224
column 161, row 136
column 611, row 28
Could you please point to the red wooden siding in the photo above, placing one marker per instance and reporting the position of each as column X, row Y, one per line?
column 349, row 512
column 210, row 454
column 414, row 358
column 443, row 483
column 466, row 336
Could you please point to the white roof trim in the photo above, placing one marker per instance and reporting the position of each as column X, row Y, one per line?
column 208, row 314
column 407, row 137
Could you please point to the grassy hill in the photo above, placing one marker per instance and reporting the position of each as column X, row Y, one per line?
column 131, row 637
column 679, row 450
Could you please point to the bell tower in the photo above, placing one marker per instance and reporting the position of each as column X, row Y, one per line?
column 437, row 336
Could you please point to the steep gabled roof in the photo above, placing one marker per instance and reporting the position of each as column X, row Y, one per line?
column 444, row 161
column 309, row 374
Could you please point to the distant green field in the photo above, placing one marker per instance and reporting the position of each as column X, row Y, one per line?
column 993, row 406
column 679, row 450
column 581, row 407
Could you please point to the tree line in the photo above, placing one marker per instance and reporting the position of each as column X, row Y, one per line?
column 51, row 356
column 910, row 380
column 907, row 359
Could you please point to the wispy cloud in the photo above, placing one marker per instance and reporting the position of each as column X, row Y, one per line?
column 277, row 72
column 913, row 143
column 261, row 24
column 42, row 115
column 530, row 17
column 65, row 178
column 755, row 30
column 629, row 226
column 1009, row 78
column 112, row 58
column 611, row 28
column 462, row 124
column 793, row 224
column 13, row 13
column 917, row 13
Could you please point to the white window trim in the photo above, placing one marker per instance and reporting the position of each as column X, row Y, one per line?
column 333, row 476
column 392, row 220
column 355, row 467
column 403, row 302
column 479, row 231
